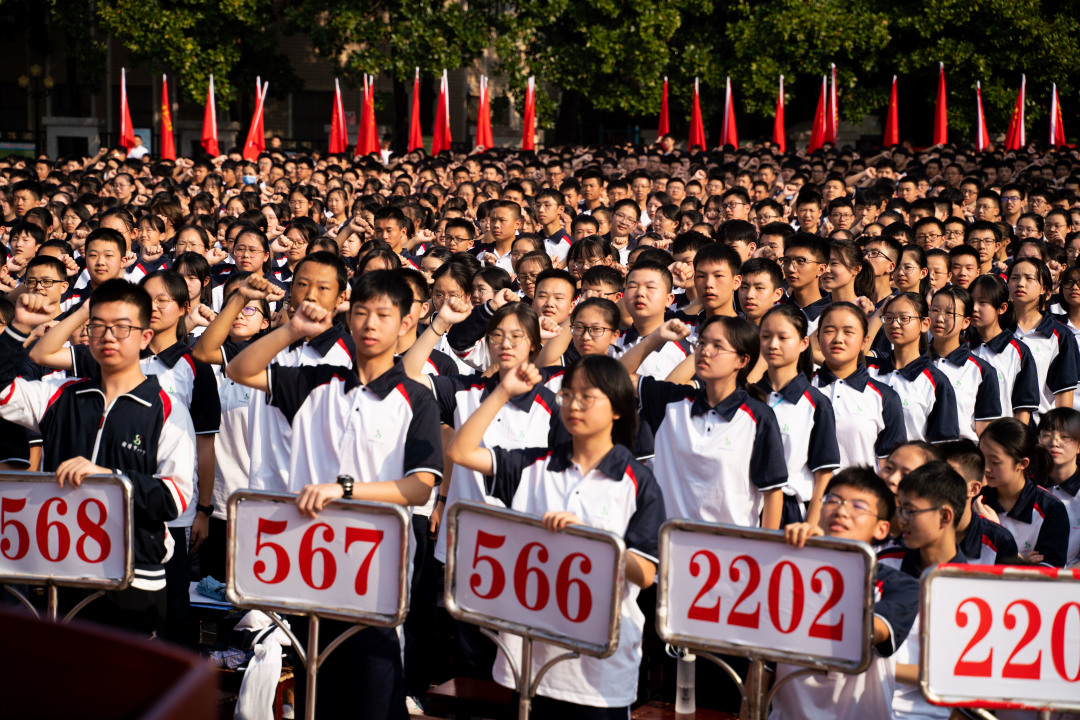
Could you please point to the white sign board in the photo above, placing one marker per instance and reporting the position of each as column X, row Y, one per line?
column 1001, row 637
column 747, row 592
column 350, row 563
column 505, row 571
column 73, row 536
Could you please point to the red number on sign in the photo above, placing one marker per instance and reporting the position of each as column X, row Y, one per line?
column 271, row 527
column 93, row 530
column 1023, row 671
column 498, row 577
column 974, row 668
column 363, row 535
column 521, row 577
column 705, row 614
column 63, row 537
column 797, row 599
column 836, row 630
column 1057, row 641
column 737, row 617
column 562, row 588
column 13, row 505
column 307, row 557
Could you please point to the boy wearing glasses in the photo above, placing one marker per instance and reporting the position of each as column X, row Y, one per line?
column 985, row 237
column 139, row 433
column 46, row 276
column 858, row 506
column 805, row 258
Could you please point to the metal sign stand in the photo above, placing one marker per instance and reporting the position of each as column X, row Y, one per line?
column 53, row 603
column 526, row 684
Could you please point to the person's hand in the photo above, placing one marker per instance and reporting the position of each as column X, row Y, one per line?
column 7, row 283
column 71, row 267
column 313, row 498
column 866, row 304
column 987, row 512
column 15, row 265
column 521, row 379
column 129, row 260
column 202, row 315
column 503, row 297
column 256, row 287
column 200, row 530
column 311, row 319
column 434, row 520
column 673, row 331
column 74, row 470
column 555, row 520
column 682, row 274
column 549, row 329
column 490, row 258
column 151, row 253
column 40, row 330
column 32, row 310
column 216, row 256
column 453, row 311
column 798, row 533
column 564, row 220
column 424, row 236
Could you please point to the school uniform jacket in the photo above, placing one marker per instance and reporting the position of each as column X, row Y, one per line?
column 869, row 418
column 926, row 397
column 143, row 435
column 987, row 543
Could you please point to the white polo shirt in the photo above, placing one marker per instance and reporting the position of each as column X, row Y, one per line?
column 1057, row 359
column 869, row 418
column 232, row 445
column 558, row 245
column 987, row 543
column 975, row 384
column 702, row 459
column 1018, row 378
column 927, row 398
column 660, row 362
column 384, row 430
column 529, row 420
column 1038, row 521
column 808, row 429
column 270, row 432
column 1068, row 493
column 619, row 495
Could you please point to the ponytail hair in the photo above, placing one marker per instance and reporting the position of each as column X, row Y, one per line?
column 922, row 309
column 1019, row 442
column 797, row 318
column 852, row 258
column 743, row 337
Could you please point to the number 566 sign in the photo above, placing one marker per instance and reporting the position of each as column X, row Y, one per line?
column 349, row 563
column 1001, row 637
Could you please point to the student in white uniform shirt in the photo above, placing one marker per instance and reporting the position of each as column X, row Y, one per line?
column 591, row 480
column 1059, row 433
column 647, row 295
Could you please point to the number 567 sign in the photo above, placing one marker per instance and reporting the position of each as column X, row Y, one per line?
column 1001, row 637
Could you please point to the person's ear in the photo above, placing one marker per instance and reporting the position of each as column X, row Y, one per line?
column 407, row 324
column 881, row 530
column 947, row 516
column 147, row 336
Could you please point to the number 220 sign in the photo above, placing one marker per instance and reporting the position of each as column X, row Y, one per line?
column 747, row 592
column 1001, row 637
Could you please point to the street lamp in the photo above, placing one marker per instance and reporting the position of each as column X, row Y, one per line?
column 38, row 86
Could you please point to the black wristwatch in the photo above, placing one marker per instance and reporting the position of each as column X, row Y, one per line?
column 346, row 483
column 206, row 510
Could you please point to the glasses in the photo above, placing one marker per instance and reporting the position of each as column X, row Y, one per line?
column 446, row 296
column 732, row 205
column 906, row 514
column 798, row 262
column 451, row 240
column 954, row 233
column 901, row 320
column 97, row 330
column 40, row 282
column 595, row 332
column 241, row 250
column 298, row 242
column 927, row 236
column 935, row 314
column 497, row 338
column 908, row 269
column 982, row 242
column 249, row 311
column 842, row 216
column 1065, row 284
column 710, row 349
column 161, row 301
column 1049, row 438
column 835, row 502
column 625, row 219
column 527, row 277
column 1010, row 198
column 873, row 254
column 566, row 399
column 586, row 294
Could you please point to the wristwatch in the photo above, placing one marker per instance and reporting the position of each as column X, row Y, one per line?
column 206, row 510
column 346, row 483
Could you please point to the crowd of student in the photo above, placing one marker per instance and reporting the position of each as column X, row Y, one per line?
column 880, row 348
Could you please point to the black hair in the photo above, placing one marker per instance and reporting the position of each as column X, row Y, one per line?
column 498, row 279
column 1062, row 420
column 965, row 455
column 817, row 245
column 556, row 274
column 939, row 484
column 120, row 290
column 1045, row 278
column 379, row 253
column 177, row 288
column 526, row 316
column 607, row 307
column 460, row 274
column 762, row 266
column 919, row 255
column 50, row 262
column 852, row 258
column 718, row 253
column 610, row 377
column 996, row 292
column 603, row 275
column 420, row 289
column 959, row 296
column 329, row 260
column 382, row 284
column 743, row 338
column 922, row 311
column 665, row 274
column 1018, row 441
column 797, row 318
column 865, row 480
column 108, row 235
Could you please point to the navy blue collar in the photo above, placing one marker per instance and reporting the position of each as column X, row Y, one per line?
column 523, row 402
column 615, row 465
column 1072, row 485
column 726, row 408
column 957, row 357
column 791, row 392
column 170, row 355
column 1025, row 503
column 909, row 372
column 857, row 379
column 996, row 344
column 323, row 342
column 385, row 383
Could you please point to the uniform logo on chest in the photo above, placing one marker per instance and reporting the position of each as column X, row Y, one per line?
column 135, row 445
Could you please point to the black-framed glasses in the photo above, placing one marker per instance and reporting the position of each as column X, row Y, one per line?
column 249, row 311
column 901, row 320
column 595, row 332
column 40, row 282
column 98, row 330
column 799, row 262
column 835, row 502
column 906, row 514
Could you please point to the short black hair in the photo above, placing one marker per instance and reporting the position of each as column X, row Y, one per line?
column 866, row 480
column 762, row 266
column 718, row 253
column 965, row 455
column 382, row 284
column 939, row 484
column 557, row 274
column 106, row 235
column 120, row 290
column 328, row 259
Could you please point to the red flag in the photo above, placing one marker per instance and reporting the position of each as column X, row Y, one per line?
column 982, row 139
column 817, row 133
column 368, row 140
column 831, row 115
column 127, row 132
column 256, row 137
column 168, row 142
column 729, row 136
column 441, row 136
column 484, row 140
column 528, row 125
column 416, row 138
column 209, row 123
column 662, row 128
column 1057, row 130
column 779, row 137
column 892, row 119
column 697, row 127
column 338, row 139
column 941, row 114
column 1015, row 138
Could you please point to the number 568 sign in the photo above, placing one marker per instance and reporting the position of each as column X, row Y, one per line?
column 349, row 563
column 1001, row 637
